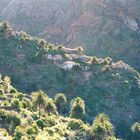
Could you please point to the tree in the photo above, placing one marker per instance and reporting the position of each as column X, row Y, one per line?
column 135, row 128
column 80, row 50
column 101, row 128
column 77, row 106
column 60, row 101
column 7, row 84
column 39, row 101
column 42, row 43
column 94, row 60
column 60, row 47
column 5, row 25
column 50, row 107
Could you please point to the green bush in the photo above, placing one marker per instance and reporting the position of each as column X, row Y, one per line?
column 30, row 130
column 19, row 132
column 16, row 104
column 50, row 121
column 75, row 124
column 13, row 90
column 40, row 123
column 10, row 116
column 50, row 107
column 94, row 60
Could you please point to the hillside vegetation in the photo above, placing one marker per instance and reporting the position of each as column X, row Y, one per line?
column 107, row 87
column 101, row 27
column 38, row 117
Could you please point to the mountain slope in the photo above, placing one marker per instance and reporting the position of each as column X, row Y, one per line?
column 3, row 4
column 106, row 86
column 103, row 28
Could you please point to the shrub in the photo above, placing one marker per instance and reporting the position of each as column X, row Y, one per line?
column 50, row 121
column 75, row 124
column 12, row 127
column 42, row 43
column 19, row 95
column 10, row 116
column 13, row 90
column 26, row 103
column 5, row 25
column 1, row 91
column 16, row 104
column 50, row 107
column 106, row 68
column 80, row 50
column 94, row 60
column 60, row 101
column 40, row 123
column 3, row 132
column 30, row 120
column 111, row 138
column 30, row 130
column 76, row 67
column 60, row 47
column 135, row 127
column 106, row 62
column 24, row 138
column 19, row 132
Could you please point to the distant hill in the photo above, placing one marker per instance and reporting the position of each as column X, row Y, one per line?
column 106, row 86
column 101, row 27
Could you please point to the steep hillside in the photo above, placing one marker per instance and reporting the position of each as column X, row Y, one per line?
column 102, row 27
column 106, row 86
column 38, row 117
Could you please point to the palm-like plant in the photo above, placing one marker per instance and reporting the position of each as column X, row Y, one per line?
column 7, row 84
column 39, row 101
column 60, row 101
column 50, row 107
column 101, row 128
column 77, row 108
column 135, row 128
column 5, row 25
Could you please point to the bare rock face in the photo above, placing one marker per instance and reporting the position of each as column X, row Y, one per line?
column 62, row 21
column 102, row 27
column 3, row 4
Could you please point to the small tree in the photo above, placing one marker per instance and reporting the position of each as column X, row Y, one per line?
column 60, row 101
column 39, row 101
column 94, row 60
column 5, row 25
column 101, row 128
column 42, row 43
column 80, row 50
column 60, row 47
column 77, row 108
column 50, row 107
column 135, row 128
column 7, row 84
